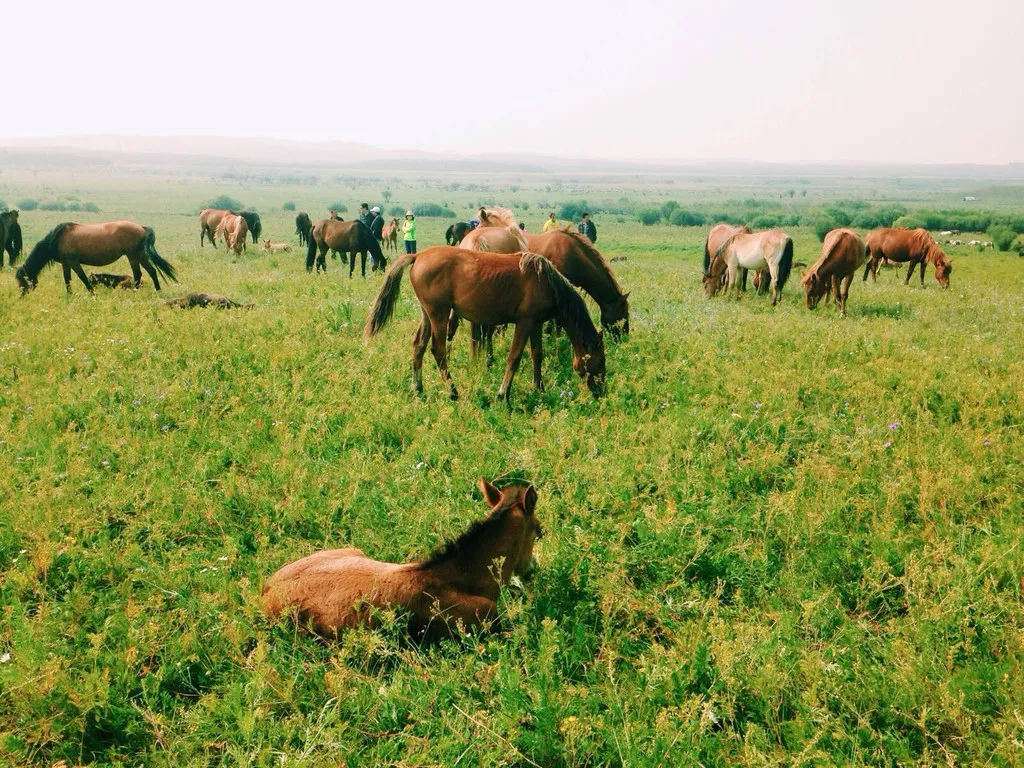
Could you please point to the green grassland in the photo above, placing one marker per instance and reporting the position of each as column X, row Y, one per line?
column 782, row 538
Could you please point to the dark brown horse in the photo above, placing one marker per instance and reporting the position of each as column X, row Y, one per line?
column 95, row 245
column 842, row 254
column 350, row 237
column 455, row 589
column 906, row 245
column 10, row 237
column 491, row 289
column 303, row 226
column 454, row 234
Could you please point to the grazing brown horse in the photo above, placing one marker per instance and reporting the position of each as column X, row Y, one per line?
column 344, row 237
column 233, row 228
column 491, row 289
column 718, row 235
column 455, row 589
column 389, row 235
column 10, row 237
column 209, row 220
column 906, row 245
column 95, row 245
column 303, row 226
column 842, row 254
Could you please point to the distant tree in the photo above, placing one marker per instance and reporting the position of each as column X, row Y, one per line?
column 433, row 210
column 386, row 195
column 289, row 206
column 572, row 210
column 91, row 207
column 668, row 208
column 683, row 218
column 52, row 205
column 791, row 192
column 803, row 193
column 649, row 216
column 339, row 207
column 910, row 222
column 28, row 204
column 823, row 225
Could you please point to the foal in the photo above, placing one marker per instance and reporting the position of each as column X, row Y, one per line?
column 457, row 587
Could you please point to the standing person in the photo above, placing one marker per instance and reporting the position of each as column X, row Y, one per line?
column 364, row 213
column 410, row 232
column 587, row 228
column 376, row 223
column 551, row 223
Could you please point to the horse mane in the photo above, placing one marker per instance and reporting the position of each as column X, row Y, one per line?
column 571, row 308
column 498, row 217
column 470, row 538
column 44, row 252
column 595, row 255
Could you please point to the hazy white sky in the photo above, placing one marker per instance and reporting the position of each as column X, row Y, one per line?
column 800, row 81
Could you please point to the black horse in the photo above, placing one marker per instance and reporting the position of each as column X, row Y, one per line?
column 10, row 237
column 454, row 234
column 252, row 220
column 303, row 226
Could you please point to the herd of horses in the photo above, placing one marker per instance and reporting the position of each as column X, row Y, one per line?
column 491, row 276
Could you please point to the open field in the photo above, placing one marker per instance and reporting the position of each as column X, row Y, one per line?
column 782, row 537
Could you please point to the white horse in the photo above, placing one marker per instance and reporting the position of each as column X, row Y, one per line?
column 771, row 250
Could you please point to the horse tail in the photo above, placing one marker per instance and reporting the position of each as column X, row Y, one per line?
column 384, row 305
column 707, row 255
column 159, row 262
column 371, row 244
column 311, row 247
column 785, row 265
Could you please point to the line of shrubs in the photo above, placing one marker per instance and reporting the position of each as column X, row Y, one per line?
column 31, row 204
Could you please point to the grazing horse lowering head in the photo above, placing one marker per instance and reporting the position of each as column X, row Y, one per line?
column 814, row 288
column 591, row 365
column 943, row 269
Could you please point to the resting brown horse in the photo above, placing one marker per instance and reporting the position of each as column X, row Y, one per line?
column 95, row 245
column 389, row 235
column 10, row 237
column 455, row 589
column 842, row 254
column 491, row 289
column 350, row 237
column 906, row 245
column 303, row 225
column 233, row 228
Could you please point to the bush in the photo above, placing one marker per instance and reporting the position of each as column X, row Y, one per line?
column 867, row 220
column 765, row 221
column 51, row 205
column 339, row 207
column 91, row 207
column 910, row 222
column 289, row 206
column 649, row 216
column 1004, row 237
column 683, row 218
column 396, row 210
column 823, row 225
column 28, row 204
column 668, row 208
column 433, row 210
column 224, row 203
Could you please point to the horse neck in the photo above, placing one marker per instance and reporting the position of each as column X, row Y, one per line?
column 602, row 284
column 581, row 331
column 473, row 570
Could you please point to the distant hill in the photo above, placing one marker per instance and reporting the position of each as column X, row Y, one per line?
column 106, row 151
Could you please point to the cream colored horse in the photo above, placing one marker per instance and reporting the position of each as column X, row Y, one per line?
column 772, row 250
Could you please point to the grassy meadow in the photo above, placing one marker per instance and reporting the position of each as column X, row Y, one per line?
column 782, row 538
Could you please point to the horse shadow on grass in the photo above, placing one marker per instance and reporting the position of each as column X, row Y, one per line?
column 893, row 311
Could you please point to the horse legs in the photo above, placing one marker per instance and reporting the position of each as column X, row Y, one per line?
column 537, row 355
column 67, row 278
column 148, row 266
column 744, row 281
column 362, row 262
column 524, row 329
column 81, row 276
column 419, row 347
column 910, row 273
column 773, row 274
column 923, row 263
column 136, row 272
column 843, row 285
column 868, row 267
column 440, row 350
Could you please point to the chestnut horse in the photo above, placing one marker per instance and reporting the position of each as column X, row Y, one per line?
column 209, row 220
column 95, row 245
column 345, row 237
column 842, row 254
column 389, row 235
column 491, row 289
column 906, row 245
column 759, row 250
column 497, row 228
column 455, row 589
column 10, row 237
column 303, row 226
column 233, row 229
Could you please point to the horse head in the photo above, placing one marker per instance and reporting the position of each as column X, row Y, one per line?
column 814, row 289
column 590, row 365
column 615, row 317
column 943, row 268
column 515, row 507
column 24, row 281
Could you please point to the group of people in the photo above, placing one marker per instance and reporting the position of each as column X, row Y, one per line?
column 585, row 227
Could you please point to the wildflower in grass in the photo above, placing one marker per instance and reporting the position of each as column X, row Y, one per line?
column 894, row 425
column 987, row 442
column 887, row 444
column 757, row 406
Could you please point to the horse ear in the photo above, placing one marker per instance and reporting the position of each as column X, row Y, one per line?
column 491, row 493
column 530, row 499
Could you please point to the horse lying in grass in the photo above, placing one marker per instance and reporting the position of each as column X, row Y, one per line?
column 491, row 289
column 455, row 589
column 215, row 300
column 95, row 245
column 906, row 245
column 772, row 250
column 108, row 280
column 842, row 254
